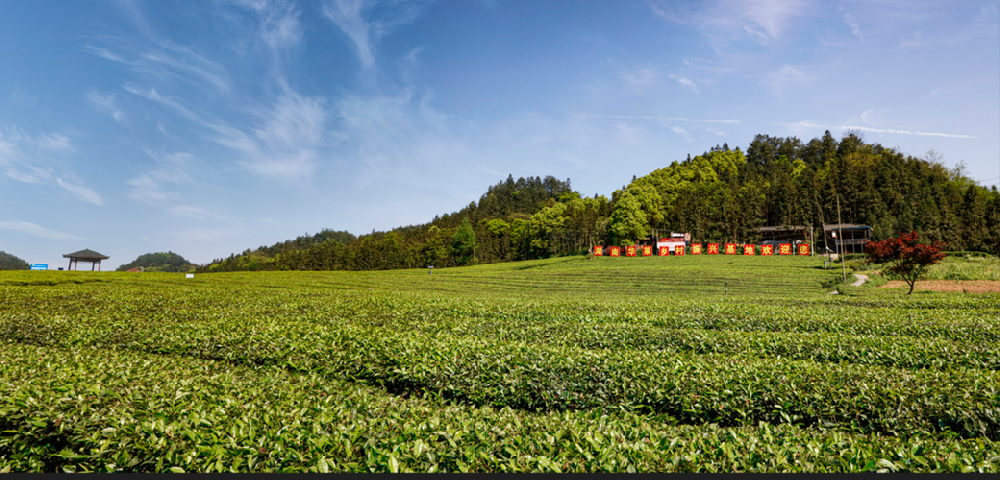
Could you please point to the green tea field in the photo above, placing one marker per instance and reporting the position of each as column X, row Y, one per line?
column 694, row 364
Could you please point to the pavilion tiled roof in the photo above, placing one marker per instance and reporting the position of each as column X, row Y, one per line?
column 86, row 253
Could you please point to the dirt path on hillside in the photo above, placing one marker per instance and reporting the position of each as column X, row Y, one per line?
column 861, row 281
column 969, row 286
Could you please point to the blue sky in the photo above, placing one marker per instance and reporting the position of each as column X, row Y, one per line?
column 207, row 128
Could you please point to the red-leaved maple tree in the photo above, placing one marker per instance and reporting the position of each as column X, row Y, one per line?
column 904, row 256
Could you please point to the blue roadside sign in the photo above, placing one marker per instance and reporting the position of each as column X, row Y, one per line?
column 39, row 266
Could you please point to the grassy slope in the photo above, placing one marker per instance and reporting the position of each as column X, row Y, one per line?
column 561, row 364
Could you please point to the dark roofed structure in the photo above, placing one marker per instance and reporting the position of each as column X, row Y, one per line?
column 855, row 237
column 85, row 255
column 794, row 234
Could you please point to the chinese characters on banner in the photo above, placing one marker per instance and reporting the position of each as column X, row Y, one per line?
column 696, row 249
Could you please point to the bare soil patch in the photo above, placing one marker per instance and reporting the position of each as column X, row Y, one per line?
column 970, row 286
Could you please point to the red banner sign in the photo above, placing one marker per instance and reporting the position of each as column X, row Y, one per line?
column 630, row 250
column 679, row 250
column 767, row 249
column 664, row 251
column 598, row 251
column 696, row 249
column 713, row 248
column 730, row 249
column 647, row 250
column 748, row 250
column 803, row 249
column 785, row 249
column 615, row 251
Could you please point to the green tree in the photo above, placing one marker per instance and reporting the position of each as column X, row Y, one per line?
column 628, row 222
column 463, row 243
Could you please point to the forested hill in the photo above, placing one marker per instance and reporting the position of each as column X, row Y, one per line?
column 10, row 262
column 720, row 195
column 158, row 262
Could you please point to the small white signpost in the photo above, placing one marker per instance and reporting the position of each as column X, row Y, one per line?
column 190, row 275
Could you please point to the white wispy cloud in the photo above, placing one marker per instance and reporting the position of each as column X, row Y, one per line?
column 806, row 125
column 773, row 16
column 687, row 82
column 855, row 28
column 578, row 162
column 727, row 21
column 638, row 81
column 81, row 192
column 365, row 22
column 903, row 132
column 30, row 174
column 285, row 143
column 21, row 96
column 36, row 230
column 106, row 104
column 662, row 119
column 279, row 22
column 164, row 61
column 680, row 131
column 26, row 158
column 54, row 142
column 168, row 101
column 171, row 169
column 787, row 75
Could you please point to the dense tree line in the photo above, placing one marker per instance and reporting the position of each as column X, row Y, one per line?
column 10, row 262
column 158, row 262
column 721, row 195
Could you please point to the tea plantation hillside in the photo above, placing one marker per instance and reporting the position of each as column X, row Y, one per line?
column 698, row 363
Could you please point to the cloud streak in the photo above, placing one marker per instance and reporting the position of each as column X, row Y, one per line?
column 36, row 230
column 687, row 82
column 366, row 22
column 664, row 119
column 20, row 153
column 81, row 192
column 805, row 124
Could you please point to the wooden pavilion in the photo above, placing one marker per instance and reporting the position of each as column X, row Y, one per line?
column 86, row 255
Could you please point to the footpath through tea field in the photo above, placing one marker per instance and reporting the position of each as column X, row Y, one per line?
column 714, row 364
